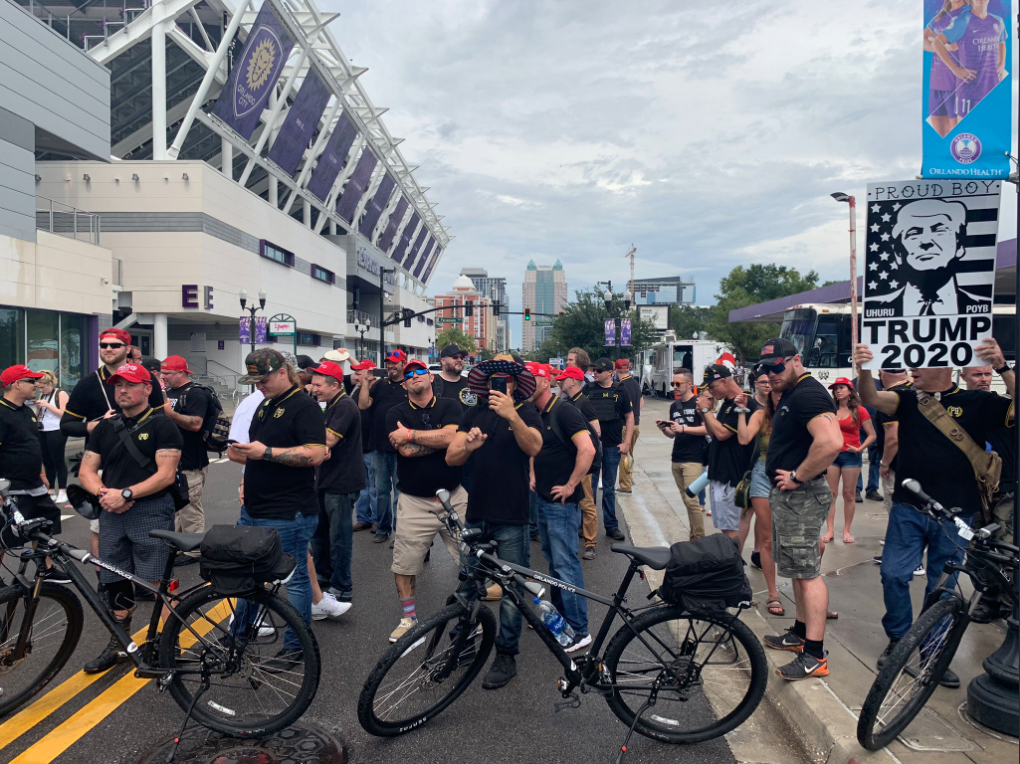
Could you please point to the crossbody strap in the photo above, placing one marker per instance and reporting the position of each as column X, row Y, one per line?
column 102, row 389
column 125, row 439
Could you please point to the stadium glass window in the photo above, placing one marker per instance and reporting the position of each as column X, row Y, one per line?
column 323, row 274
column 270, row 251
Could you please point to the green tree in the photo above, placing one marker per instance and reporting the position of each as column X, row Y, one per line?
column 749, row 286
column 583, row 325
column 453, row 335
column 686, row 320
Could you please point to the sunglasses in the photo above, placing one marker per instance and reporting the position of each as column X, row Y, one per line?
column 678, row 384
column 111, row 345
column 774, row 368
column 416, row 373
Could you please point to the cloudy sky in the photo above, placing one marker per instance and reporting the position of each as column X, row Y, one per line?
column 708, row 134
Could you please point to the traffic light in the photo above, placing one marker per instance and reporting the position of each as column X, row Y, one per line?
column 408, row 315
column 527, row 314
column 495, row 309
column 469, row 308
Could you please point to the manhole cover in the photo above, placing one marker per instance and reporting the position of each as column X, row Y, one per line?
column 300, row 744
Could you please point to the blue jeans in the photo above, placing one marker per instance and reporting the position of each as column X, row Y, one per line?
column 909, row 532
column 512, row 546
column 610, row 466
column 559, row 524
column 385, row 467
column 532, row 515
column 331, row 547
column 874, row 458
column 365, row 507
column 294, row 537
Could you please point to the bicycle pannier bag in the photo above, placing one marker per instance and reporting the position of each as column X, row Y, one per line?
column 706, row 574
column 237, row 559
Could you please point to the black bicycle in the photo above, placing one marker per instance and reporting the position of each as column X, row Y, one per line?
column 917, row 663
column 669, row 674
column 216, row 666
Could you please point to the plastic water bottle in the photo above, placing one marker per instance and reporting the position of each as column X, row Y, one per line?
column 553, row 621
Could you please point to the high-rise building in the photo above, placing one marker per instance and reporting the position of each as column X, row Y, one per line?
column 545, row 292
column 494, row 287
column 479, row 325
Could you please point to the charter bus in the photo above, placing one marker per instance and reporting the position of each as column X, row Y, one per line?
column 821, row 332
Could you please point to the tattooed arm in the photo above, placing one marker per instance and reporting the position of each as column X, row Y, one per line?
column 89, row 472
column 415, row 449
column 298, row 456
column 184, row 421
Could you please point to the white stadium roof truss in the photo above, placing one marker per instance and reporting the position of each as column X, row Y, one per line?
column 315, row 47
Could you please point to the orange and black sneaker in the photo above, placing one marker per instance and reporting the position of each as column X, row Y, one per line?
column 785, row 641
column 804, row 666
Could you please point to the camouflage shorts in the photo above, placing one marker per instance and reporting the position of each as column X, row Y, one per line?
column 797, row 519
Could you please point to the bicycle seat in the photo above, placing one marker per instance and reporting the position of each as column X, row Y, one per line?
column 186, row 542
column 655, row 557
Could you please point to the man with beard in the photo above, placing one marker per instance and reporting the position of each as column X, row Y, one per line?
column 450, row 383
column 378, row 400
column 928, row 239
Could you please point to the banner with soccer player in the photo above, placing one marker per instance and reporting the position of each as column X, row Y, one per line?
column 967, row 96
column 929, row 271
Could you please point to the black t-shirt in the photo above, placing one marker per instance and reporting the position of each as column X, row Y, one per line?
column 385, row 395
column 1002, row 443
column 366, row 422
column 344, row 470
column 422, row 476
column 790, row 439
column 87, row 403
column 930, row 458
column 555, row 462
column 20, row 451
column 584, row 406
column 727, row 459
column 612, row 429
column 880, row 419
column 191, row 401
column 457, row 391
column 687, row 448
column 276, row 491
column 634, row 390
column 150, row 432
column 500, row 468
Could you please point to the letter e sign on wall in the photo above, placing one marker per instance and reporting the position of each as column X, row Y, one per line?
column 189, row 295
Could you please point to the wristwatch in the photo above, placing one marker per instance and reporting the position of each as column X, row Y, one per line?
column 706, row 411
column 267, row 455
column 795, row 479
column 1003, row 370
column 128, row 494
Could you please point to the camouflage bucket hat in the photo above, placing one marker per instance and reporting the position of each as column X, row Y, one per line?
column 261, row 363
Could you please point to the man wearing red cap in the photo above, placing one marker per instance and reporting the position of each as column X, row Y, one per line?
column 365, row 507
column 91, row 400
column 633, row 386
column 379, row 399
column 21, row 453
column 133, row 493
column 187, row 406
column 572, row 382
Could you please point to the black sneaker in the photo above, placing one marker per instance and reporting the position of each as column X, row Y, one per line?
column 886, row 653
column 858, row 498
column 285, row 660
column 589, row 553
column 112, row 654
column 616, row 534
column 877, row 559
column 874, row 495
column 756, row 559
column 786, row 641
column 55, row 576
column 804, row 666
column 503, row 669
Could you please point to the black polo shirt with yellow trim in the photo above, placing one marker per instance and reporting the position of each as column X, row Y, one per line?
column 20, row 451
column 501, row 475
column 932, row 459
column 344, row 470
column 555, row 462
column 150, row 431
column 88, row 402
column 584, row 406
column 727, row 459
column 422, row 476
column 791, row 440
column 633, row 388
column 384, row 394
column 277, row 491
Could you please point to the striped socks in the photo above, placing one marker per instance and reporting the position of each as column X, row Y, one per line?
column 408, row 608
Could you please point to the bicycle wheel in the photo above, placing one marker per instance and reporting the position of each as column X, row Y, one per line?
column 250, row 693
column 710, row 670
column 56, row 628
column 426, row 670
column 912, row 673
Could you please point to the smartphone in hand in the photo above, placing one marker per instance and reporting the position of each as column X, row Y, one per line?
column 499, row 384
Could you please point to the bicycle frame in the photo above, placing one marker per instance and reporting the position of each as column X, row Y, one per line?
column 988, row 562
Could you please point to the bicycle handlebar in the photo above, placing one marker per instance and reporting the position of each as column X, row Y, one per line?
column 937, row 511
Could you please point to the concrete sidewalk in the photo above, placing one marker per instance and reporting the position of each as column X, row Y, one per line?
column 824, row 710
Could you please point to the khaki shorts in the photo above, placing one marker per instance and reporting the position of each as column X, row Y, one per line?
column 417, row 526
column 797, row 519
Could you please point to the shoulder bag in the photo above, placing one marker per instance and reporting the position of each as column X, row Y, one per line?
column 742, row 493
column 987, row 465
column 178, row 490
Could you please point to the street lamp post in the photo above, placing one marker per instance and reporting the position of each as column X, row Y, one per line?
column 382, row 319
column 839, row 196
column 361, row 329
column 615, row 313
column 243, row 296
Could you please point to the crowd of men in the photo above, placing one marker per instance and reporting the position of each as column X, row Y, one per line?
column 328, row 452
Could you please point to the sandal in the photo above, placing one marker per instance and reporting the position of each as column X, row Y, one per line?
column 775, row 606
column 831, row 615
column 827, row 538
column 848, row 539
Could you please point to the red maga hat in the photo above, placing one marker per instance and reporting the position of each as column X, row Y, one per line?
column 414, row 363
column 13, row 374
column 842, row 381
column 571, row 372
column 329, row 369
column 397, row 356
column 622, row 363
column 134, row 373
column 175, row 363
column 119, row 334
column 368, row 363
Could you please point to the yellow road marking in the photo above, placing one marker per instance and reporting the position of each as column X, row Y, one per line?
column 80, row 723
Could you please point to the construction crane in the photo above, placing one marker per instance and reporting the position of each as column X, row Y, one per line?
column 630, row 254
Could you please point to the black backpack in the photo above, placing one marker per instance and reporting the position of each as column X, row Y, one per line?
column 706, row 574
column 596, row 462
column 216, row 424
column 237, row 559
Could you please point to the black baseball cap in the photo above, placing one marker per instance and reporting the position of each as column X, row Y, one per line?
column 451, row 351
column 305, row 363
column 894, row 371
column 776, row 349
column 603, row 364
column 715, row 372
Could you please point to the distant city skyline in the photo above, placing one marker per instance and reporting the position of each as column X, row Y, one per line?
column 545, row 292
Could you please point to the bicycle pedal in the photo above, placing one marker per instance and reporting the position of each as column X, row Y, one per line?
column 573, row 701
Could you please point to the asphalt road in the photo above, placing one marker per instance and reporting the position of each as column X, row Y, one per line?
column 107, row 722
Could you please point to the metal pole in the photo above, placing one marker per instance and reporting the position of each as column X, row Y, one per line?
column 382, row 327
column 853, row 283
column 159, row 82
